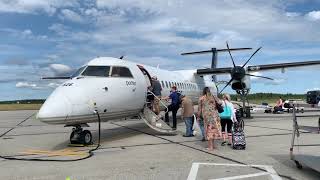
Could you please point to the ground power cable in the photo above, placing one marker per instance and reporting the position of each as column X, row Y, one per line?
column 90, row 152
column 197, row 149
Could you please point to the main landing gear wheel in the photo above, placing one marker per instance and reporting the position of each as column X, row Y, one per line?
column 299, row 166
column 80, row 136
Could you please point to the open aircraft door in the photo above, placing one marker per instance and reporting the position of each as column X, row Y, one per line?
column 148, row 116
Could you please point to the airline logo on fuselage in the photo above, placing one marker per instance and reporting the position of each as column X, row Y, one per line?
column 131, row 83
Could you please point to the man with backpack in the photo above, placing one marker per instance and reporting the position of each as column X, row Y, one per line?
column 174, row 106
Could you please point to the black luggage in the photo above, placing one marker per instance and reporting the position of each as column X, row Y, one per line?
column 238, row 138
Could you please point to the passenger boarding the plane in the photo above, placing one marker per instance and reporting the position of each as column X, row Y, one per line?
column 174, row 106
column 228, row 117
column 187, row 114
column 156, row 90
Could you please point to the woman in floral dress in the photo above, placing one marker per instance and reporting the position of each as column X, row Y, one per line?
column 208, row 109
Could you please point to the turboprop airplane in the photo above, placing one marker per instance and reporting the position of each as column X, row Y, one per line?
column 117, row 89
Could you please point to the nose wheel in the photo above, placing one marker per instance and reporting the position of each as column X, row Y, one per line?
column 80, row 136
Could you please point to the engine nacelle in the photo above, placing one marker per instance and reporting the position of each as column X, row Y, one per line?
column 244, row 83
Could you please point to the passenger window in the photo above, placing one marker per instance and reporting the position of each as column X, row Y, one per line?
column 101, row 71
column 121, row 72
column 167, row 84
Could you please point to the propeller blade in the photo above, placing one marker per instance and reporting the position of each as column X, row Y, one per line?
column 259, row 76
column 226, row 85
column 251, row 56
column 234, row 65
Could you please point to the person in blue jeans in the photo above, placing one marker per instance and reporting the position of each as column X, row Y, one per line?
column 187, row 114
column 173, row 107
column 200, row 119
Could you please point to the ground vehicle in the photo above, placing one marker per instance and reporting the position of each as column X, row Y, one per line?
column 297, row 107
column 313, row 97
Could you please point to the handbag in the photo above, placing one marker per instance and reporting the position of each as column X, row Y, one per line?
column 219, row 107
column 227, row 112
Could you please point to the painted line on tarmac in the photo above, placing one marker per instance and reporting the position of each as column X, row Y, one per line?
column 197, row 149
column 268, row 171
column 17, row 125
column 269, row 127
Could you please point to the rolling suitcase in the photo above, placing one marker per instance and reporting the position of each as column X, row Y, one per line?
column 238, row 138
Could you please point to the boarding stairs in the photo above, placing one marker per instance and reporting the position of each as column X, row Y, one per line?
column 154, row 121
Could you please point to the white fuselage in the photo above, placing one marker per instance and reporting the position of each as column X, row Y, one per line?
column 114, row 96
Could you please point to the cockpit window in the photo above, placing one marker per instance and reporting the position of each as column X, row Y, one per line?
column 101, row 71
column 78, row 72
column 120, row 72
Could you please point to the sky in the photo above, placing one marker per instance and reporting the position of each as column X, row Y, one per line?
column 55, row 37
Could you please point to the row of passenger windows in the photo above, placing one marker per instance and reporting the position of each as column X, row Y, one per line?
column 104, row 71
column 180, row 86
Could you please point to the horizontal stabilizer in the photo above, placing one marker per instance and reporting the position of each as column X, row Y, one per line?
column 218, row 50
column 57, row 77
column 225, row 70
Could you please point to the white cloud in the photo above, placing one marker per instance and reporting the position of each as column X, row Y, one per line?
column 292, row 14
column 24, row 84
column 53, row 85
column 313, row 15
column 26, row 34
column 60, row 29
column 34, row 6
column 67, row 14
column 27, row 85
column 60, row 69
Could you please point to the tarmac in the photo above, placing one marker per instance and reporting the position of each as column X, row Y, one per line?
column 131, row 150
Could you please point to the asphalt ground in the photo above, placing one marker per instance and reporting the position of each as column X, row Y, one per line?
column 131, row 150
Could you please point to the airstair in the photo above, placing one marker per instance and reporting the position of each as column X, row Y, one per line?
column 154, row 121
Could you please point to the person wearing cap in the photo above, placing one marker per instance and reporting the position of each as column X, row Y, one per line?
column 156, row 90
column 187, row 114
column 174, row 106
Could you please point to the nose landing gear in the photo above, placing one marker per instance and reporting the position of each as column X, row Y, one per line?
column 80, row 136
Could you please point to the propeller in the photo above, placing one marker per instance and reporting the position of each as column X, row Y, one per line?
column 226, row 85
column 239, row 72
column 234, row 65
column 251, row 57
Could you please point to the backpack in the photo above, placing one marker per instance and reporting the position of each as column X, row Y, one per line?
column 179, row 99
column 227, row 112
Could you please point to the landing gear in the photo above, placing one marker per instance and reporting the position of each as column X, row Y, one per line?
column 298, row 165
column 80, row 136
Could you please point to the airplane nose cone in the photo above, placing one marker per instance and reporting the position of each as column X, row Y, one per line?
column 55, row 109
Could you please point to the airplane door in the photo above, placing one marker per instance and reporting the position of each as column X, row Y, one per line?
column 149, row 117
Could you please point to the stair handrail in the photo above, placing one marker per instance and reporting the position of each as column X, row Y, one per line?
column 167, row 110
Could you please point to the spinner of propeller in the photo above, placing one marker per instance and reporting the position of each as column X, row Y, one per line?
column 239, row 72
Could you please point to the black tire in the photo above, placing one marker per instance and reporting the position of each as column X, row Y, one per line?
column 86, row 137
column 72, row 141
column 298, row 165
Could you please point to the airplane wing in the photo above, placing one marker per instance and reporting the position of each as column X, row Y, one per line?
column 281, row 65
column 57, row 77
column 264, row 67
